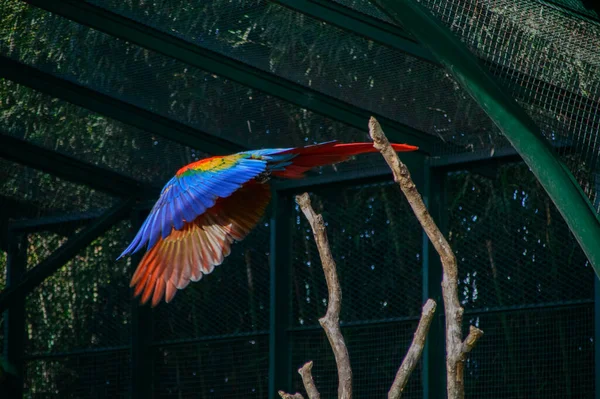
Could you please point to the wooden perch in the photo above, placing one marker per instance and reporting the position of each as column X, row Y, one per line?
column 331, row 321
column 414, row 351
column 307, row 379
column 284, row 395
column 456, row 350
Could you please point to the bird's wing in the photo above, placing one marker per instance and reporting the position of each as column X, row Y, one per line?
column 191, row 192
column 187, row 254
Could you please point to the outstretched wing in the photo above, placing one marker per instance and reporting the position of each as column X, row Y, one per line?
column 187, row 254
column 191, row 192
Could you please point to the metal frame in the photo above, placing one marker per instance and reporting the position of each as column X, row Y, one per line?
column 515, row 123
column 434, row 354
column 114, row 108
column 432, row 176
column 280, row 370
column 72, row 169
column 360, row 24
column 14, row 316
column 39, row 273
column 153, row 39
column 141, row 331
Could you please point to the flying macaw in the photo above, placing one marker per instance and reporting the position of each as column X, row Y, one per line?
column 213, row 202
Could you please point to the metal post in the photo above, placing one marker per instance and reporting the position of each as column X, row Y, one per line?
column 518, row 127
column 65, row 253
column 14, row 316
column 280, row 261
column 141, row 332
column 434, row 354
column 597, row 337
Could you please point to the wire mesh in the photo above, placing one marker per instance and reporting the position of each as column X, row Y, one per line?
column 548, row 59
column 86, row 303
column 580, row 7
column 89, row 137
column 325, row 58
column 546, row 353
column 27, row 193
column 524, row 280
column 366, row 7
column 512, row 245
column 3, row 261
column 376, row 242
column 89, row 375
column 232, row 300
column 232, row 369
column 376, row 353
column 160, row 84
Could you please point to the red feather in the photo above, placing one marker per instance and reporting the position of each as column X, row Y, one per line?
column 328, row 154
column 187, row 254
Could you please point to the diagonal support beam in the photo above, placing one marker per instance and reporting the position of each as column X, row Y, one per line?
column 395, row 37
column 360, row 24
column 65, row 253
column 153, row 39
column 515, row 123
column 72, row 169
column 115, row 108
column 60, row 223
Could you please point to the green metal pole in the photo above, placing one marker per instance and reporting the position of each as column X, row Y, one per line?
column 597, row 337
column 14, row 320
column 280, row 260
column 63, row 254
column 515, row 123
column 434, row 353
column 142, row 380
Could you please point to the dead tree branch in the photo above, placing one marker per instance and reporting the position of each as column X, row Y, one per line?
column 331, row 321
column 455, row 348
column 284, row 395
column 414, row 351
column 307, row 379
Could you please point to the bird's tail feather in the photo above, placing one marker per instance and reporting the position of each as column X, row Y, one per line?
column 327, row 154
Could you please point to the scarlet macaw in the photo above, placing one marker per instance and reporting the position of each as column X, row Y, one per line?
column 212, row 202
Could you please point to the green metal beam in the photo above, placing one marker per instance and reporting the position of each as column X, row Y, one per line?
column 280, row 261
column 515, row 123
column 115, row 108
column 141, row 330
column 14, row 316
column 72, row 169
column 62, row 255
column 434, row 353
column 395, row 37
column 153, row 39
column 361, row 24
column 66, row 221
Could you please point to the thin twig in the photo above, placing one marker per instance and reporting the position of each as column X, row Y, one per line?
column 285, row 395
column 307, row 379
column 331, row 321
column 414, row 351
column 455, row 356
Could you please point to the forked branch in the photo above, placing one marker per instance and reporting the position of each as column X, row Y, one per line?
column 456, row 350
column 285, row 395
column 414, row 351
column 331, row 321
column 307, row 379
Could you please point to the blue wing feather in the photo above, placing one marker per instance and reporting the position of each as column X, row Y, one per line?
column 186, row 197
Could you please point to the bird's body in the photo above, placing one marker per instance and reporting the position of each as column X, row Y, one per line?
column 213, row 202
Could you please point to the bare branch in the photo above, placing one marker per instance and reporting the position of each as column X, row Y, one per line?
column 331, row 321
column 414, row 351
column 454, row 312
column 285, row 395
column 307, row 379
column 469, row 343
